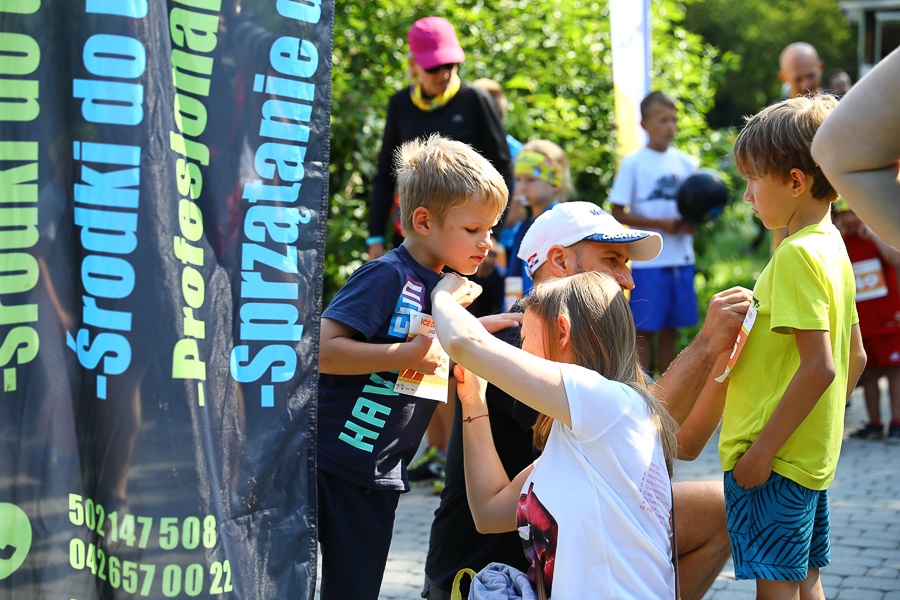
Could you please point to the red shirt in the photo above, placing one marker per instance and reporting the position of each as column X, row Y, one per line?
column 877, row 298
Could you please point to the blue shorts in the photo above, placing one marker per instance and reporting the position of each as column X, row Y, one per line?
column 664, row 298
column 778, row 531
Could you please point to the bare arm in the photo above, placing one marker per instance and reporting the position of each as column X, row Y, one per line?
column 626, row 218
column 813, row 376
column 493, row 498
column 535, row 381
column 858, row 148
column 341, row 353
column 888, row 253
column 857, row 359
column 701, row 423
column 680, row 385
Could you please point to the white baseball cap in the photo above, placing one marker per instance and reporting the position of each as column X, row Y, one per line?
column 571, row 222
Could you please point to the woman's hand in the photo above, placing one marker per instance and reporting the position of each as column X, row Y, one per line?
column 375, row 251
column 471, row 390
column 460, row 289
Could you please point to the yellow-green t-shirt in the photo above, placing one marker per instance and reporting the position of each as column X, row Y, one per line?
column 808, row 285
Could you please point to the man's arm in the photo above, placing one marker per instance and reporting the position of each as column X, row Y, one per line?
column 815, row 373
column 342, row 353
column 679, row 387
column 701, row 423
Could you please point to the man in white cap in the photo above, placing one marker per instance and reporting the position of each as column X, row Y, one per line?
column 576, row 237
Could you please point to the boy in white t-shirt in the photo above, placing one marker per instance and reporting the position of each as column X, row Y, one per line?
column 644, row 195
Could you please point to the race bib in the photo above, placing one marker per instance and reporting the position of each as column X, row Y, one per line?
column 870, row 281
column 743, row 334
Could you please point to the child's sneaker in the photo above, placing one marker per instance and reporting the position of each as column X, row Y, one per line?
column 893, row 436
column 870, row 432
column 427, row 468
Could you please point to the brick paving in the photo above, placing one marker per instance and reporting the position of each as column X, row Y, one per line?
column 865, row 525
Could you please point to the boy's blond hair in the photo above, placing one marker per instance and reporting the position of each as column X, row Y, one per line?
column 777, row 139
column 558, row 156
column 440, row 174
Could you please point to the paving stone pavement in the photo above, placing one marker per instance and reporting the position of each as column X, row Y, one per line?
column 865, row 525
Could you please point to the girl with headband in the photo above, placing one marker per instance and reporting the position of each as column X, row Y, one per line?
column 542, row 180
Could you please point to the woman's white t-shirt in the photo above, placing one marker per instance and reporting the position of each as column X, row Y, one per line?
column 597, row 505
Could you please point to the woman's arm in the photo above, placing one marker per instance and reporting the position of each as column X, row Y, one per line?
column 493, row 498
column 383, row 185
column 535, row 381
column 858, row 148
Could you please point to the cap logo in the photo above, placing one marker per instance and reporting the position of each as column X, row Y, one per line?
column 623, row 235
column 532, row 260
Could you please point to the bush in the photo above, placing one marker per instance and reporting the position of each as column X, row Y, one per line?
column 552, row 58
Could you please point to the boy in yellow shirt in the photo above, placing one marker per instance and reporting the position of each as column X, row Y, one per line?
column 784, row 408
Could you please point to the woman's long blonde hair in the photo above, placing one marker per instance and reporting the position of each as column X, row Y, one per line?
column 602, row 338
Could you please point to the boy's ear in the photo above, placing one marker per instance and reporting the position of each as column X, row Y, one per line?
column 800, row 182
column 422, row 221
column 643, row 125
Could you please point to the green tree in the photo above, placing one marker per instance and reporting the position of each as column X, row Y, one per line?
column 755, row 31
column 554, row 61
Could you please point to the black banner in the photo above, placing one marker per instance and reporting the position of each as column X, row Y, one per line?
column 163, row 192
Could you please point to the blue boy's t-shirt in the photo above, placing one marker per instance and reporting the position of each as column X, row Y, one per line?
column 367, row 433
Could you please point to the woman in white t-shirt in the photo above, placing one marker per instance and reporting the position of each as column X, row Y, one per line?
column 594, row 510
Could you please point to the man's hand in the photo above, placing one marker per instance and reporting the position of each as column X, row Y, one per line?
column 752, row 471
column 425, row 354
column 461, row 289
column 724, row 317
column 495, row 323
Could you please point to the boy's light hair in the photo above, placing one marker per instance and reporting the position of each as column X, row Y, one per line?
column 438, row 173
column 558, row 156
column 777, row 139
column 656, row 99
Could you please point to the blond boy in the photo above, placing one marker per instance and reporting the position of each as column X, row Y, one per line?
column 450, row 198
column 784, row 409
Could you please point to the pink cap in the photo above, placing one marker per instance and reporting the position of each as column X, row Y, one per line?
column 432, row 41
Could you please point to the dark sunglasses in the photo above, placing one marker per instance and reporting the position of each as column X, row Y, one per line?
column 448, row 67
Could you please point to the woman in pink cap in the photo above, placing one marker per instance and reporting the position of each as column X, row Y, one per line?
column 438, row 101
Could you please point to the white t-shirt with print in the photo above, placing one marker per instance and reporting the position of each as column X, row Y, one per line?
column 598, row 502
column 647, row 184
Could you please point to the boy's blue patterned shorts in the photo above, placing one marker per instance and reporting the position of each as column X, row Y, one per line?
column 778, row 531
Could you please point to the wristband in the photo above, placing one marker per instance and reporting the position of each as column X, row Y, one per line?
column 374, row 239
column 470, row 419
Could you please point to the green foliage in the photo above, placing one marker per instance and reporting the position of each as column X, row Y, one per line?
column 752, row 34
column 555, row 63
